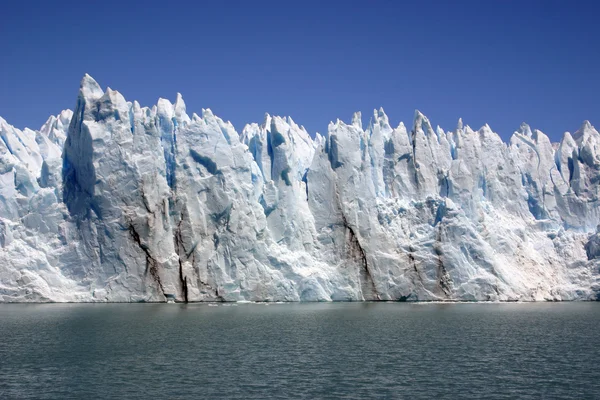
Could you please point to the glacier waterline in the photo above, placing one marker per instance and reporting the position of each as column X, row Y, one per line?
column 118, row 202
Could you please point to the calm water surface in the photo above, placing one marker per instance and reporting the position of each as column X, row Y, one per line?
column 339, row 350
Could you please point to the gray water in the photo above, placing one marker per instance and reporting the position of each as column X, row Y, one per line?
column 339, row 350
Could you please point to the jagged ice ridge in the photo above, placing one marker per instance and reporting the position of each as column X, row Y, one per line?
column 118, row 202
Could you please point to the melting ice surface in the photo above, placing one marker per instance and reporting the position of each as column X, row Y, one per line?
column 118, row 202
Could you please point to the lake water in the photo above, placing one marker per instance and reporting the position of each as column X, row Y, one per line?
column 318, row 350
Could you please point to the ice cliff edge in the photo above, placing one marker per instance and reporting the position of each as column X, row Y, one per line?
column 118, row 202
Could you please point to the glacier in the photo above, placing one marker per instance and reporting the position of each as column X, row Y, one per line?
column 115, row 202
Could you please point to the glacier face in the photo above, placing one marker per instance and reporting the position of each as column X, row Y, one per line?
column 118, row 202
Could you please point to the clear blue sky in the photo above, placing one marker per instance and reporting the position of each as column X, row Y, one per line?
column 500, row 62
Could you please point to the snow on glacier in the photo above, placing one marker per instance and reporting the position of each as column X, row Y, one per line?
column 118, row 202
